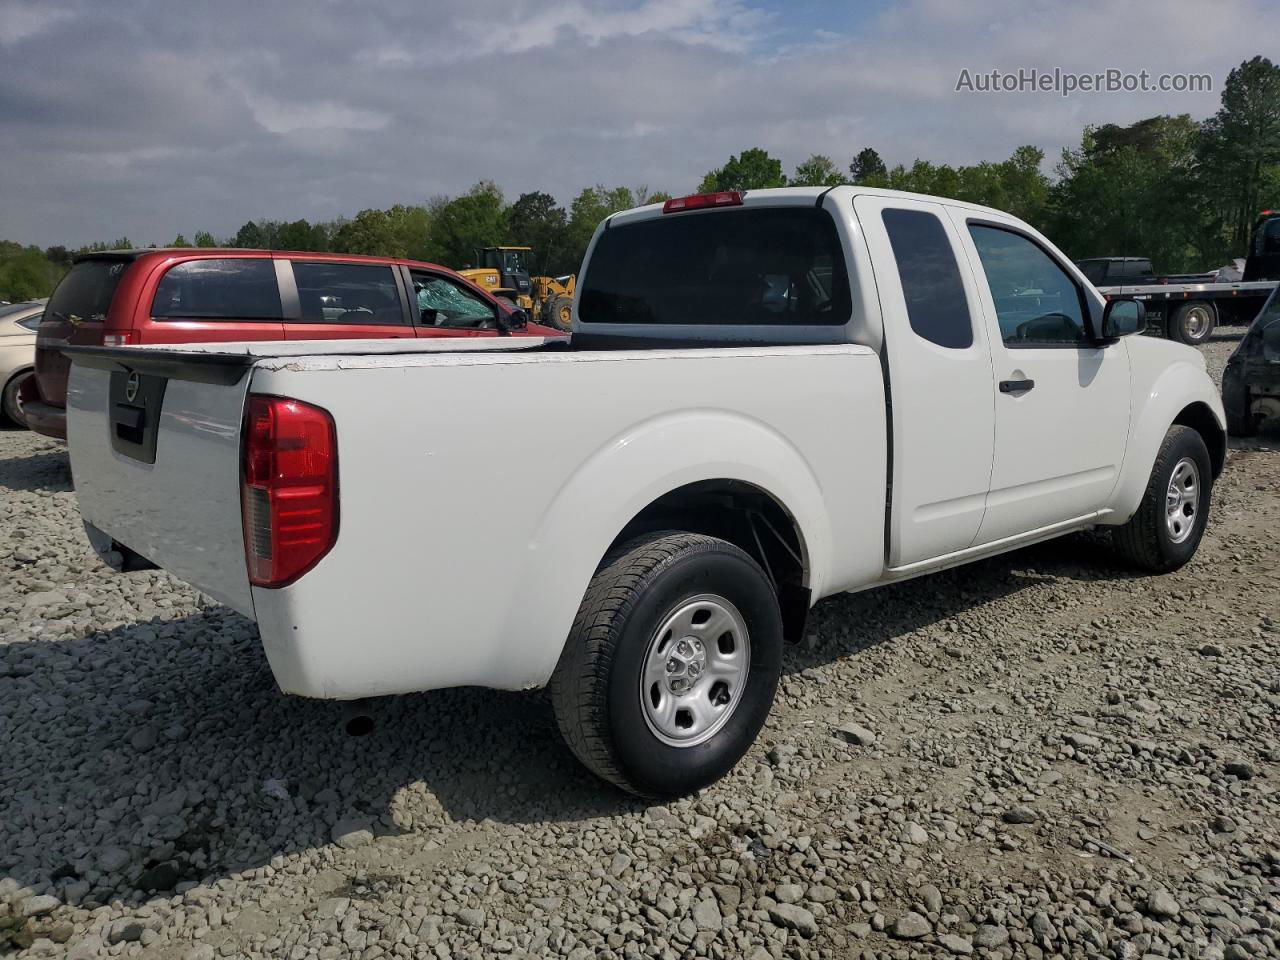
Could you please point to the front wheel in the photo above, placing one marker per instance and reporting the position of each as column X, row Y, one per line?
column 671, row 666
column 1166, row 529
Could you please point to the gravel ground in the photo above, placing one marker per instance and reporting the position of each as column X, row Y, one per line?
column 1039, row 755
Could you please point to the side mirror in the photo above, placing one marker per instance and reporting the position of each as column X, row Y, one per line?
column 429, row 315
column 517, row 319
column 1123, row 317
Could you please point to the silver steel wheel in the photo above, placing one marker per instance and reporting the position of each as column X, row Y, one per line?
column 1182, row 500
column 695, row 671
column 1196, row 322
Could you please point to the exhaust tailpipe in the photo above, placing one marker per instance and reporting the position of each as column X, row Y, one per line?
column 357, row 718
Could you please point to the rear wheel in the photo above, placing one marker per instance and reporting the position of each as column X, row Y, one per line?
column 1166, row 529
column 1193, row 323
column 671, row 666
column 11, row 401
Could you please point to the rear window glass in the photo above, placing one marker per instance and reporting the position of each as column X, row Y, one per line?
column 348, row 293
column 85, row 293
column 231, row 289
column 778, row 266
column 937, row 308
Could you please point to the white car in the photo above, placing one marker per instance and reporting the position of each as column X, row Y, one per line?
column 768, row 399
column 18, row 325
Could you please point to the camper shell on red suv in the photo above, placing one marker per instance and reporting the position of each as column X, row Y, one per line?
column 200, row 295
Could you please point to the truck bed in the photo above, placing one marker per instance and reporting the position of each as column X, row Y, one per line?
column 479, row 486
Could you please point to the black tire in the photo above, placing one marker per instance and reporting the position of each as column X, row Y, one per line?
column 1237, row 404
column 10, row 405
column 1146, row 541
column 596, row 688
column 552, row 310
column 1193, row 323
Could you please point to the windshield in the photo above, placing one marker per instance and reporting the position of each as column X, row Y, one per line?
column 11, row 308
column 85, row 293
column 778, row 265
column 517, row 261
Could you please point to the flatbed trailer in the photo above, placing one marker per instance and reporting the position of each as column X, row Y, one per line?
column 1190, row 312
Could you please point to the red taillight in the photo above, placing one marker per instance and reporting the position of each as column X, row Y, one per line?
column 288, row 488
column 118, row 339
column 700, row 201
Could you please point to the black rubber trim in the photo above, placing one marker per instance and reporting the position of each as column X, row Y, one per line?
column 219, row 368
column 822, row 196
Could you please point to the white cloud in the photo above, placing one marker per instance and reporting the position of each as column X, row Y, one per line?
column 21, row 19
column 282, row 112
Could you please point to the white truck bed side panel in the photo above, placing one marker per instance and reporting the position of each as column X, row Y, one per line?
column 470, row 528
column 183, row 511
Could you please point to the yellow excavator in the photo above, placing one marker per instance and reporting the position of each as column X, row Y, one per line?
column 504, row 272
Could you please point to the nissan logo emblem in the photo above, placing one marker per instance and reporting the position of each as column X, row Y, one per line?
column 131, row 387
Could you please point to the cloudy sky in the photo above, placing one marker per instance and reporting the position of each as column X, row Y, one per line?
column 151, row 118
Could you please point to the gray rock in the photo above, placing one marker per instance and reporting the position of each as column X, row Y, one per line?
column 112, row 859
column 911, row 926
column 352, row 832
column 856, row 734
column 1240, row 768
column 914, row 834
column 471, row 916
column 954, row 943
column 39, row 906
column 990, row 936
column 706, row 914
column 1160, row 903
column 794, row 918
column 1020, row 814
column 788, row 893
column 125, row 931
column 931, row 897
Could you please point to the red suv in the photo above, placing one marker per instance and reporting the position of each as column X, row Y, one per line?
column 208, row 295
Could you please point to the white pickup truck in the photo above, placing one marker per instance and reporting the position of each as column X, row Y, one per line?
column 769, row 398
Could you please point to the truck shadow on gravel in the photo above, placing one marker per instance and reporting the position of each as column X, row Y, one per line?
column 49, row 471
column 162, row 752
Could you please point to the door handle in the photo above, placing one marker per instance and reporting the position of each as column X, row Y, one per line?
column 1016, row 386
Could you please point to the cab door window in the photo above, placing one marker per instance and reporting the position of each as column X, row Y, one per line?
column 348, row 293
column 1037, row 303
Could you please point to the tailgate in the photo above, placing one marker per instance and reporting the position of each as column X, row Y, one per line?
column 155, row 458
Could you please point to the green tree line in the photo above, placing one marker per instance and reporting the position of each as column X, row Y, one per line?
column 1181, row 191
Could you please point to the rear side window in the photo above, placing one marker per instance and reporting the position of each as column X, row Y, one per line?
column 348, row 293
column 86, row 292
column 936, row 305
column 779, row 266
column 218, row 289
column 1094, row 271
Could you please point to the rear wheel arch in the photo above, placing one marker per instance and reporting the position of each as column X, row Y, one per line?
column 751, row 518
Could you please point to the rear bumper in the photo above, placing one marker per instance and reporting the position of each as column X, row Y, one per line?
column 42, row 417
